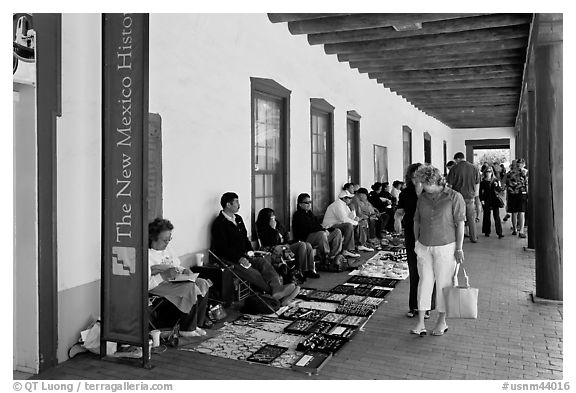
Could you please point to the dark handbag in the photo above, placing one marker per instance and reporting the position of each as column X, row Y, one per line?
column 499, row 202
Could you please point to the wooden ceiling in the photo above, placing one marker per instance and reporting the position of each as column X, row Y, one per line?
column 462, row 69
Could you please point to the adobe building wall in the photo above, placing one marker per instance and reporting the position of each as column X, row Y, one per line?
column 200, row 86
column 200, row 70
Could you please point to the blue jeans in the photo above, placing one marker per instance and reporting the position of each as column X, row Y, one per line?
column 347, row 230
column 471, row 218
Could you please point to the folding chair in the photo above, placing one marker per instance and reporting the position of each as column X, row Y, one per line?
column 154, row 303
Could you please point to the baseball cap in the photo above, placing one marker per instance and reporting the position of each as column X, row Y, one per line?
column 345, row 194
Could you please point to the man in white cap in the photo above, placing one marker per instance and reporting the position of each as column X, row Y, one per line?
column 339, row 216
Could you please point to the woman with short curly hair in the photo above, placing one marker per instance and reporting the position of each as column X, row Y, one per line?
column 439, row 233
column 186, row 300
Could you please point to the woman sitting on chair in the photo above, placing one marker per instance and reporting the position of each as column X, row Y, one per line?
column 271, row 233
column 187, row 300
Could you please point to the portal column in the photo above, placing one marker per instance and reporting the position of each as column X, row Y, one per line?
column 547, row 179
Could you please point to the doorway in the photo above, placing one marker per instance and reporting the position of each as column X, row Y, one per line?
column 478, row 146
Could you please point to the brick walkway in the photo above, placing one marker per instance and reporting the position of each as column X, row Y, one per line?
column 513, row 338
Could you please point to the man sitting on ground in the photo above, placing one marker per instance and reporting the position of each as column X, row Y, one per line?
column 307, row 228
column 230, row 243
column 368, row 214
column 339, row 216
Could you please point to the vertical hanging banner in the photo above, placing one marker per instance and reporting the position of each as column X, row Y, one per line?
column 124, row 298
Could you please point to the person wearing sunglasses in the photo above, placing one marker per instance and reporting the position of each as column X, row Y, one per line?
column 490, row 187
column 307, row 228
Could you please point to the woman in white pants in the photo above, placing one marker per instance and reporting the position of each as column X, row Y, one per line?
column 439, row 232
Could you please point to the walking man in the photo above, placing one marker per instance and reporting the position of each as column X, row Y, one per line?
column 465, row 178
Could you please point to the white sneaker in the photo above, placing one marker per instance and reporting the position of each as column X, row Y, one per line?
column 201, row 331
column 194, row 333
column 350, row 254
column 363, row 248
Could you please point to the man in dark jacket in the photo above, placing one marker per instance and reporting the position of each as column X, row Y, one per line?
column 308, row 228
column 230, row 243
column 465, row 178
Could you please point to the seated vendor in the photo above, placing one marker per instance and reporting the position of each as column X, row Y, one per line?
column 187, row 300
column 230, row 243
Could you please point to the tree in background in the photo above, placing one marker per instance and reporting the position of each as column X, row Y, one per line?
column 491, row 156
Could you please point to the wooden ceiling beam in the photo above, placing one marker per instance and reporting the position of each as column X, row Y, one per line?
column 464, row 103
column 472, row 62
column 446, row 72
column 486, row 117
column 456, row 111
column 440, row 50
column 278, row 18
column 474, row 117
column 484, row 35
column 454, row 104
column 476, row 111
column 489, row 91
column 428, row 28
column 473, row 121
column 365, row 21
column 440, row 81
column 476, row 123
column 482, row 125
column 438, row 58
column 474, row 96
column 451, row 78
column 415, row 87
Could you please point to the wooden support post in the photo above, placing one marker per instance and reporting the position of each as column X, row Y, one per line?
column 531, row 162
column 547, row 187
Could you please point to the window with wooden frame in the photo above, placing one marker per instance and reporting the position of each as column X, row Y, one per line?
column 406, row 147
column 380, row 163
column 427, row 148
column 445, row 156
column 270, row 153
column 353, row 146
column 322, row 135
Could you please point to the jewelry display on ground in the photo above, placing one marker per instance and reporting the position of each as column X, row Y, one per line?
column 316, row 325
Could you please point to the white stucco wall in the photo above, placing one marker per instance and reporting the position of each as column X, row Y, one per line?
column 25, row 204
column 461, row 135
column 79, row 152
column 200, row 85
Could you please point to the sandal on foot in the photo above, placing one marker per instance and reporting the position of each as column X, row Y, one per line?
column 439, row 332
column 421, row 332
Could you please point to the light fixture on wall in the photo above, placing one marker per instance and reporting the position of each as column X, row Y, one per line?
column 24, row 40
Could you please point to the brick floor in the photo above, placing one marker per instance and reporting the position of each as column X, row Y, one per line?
column 513, row 338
